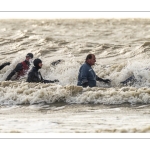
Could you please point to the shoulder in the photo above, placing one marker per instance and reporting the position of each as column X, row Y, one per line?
column 33, row 70
column 19, row 66
column 84, row 68
column 85, row 65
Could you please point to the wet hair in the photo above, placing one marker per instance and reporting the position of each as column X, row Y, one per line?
column 89, row 56
column 29, row 55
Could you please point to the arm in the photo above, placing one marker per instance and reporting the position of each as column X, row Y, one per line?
column 49, row 81
column 98, row 79
column 4, row 64
column 34, row 77
column 103, row 80
column 17, row 69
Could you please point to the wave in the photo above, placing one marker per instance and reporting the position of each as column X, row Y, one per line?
column 16, row 93
column 122, row 49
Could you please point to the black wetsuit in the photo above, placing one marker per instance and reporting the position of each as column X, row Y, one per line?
column 17, row 69
column 4, row 64
column 130, row 80
column 35, row 76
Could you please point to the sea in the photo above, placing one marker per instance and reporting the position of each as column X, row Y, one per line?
column 122, row 49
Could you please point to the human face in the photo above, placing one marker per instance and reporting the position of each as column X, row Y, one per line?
column 40, row 65
column 28, row 58
column 92, row 60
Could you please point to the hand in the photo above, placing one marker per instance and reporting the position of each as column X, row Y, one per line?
column 85, row 84
column 106, row 80
column 56, row 80
column 46, row 81
column 5, row 64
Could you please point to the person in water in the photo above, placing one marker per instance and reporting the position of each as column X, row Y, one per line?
column 35, row 76
column 87, row 76
column 4, row 64
column 129, row 80
column 21, row 68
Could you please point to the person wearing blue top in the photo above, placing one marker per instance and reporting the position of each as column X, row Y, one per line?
column 87, row 76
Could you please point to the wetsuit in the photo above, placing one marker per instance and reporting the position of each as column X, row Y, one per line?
column 4, row 64
column 130, row 80
column 87, row 76
column 20, row 69
column 35, row 76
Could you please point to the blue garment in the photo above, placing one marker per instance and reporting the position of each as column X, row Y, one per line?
column 86, row 76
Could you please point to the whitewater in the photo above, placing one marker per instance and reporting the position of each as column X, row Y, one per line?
column 122, row 49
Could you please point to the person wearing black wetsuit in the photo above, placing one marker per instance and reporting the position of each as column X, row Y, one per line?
column 4, row 64
column 35, row 76
column 129, row 80
column 21, row 68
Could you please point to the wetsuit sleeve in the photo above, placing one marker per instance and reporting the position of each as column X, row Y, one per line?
column 4, row 64
column 49, row 81
column 103, row 80
column 17, row 69
column 98, row 78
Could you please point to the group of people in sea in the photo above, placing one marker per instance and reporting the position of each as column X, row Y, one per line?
column 86, row 77
column 22, row 68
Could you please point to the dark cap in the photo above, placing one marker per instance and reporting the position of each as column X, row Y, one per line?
column 36, row 62
column 29, row 55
